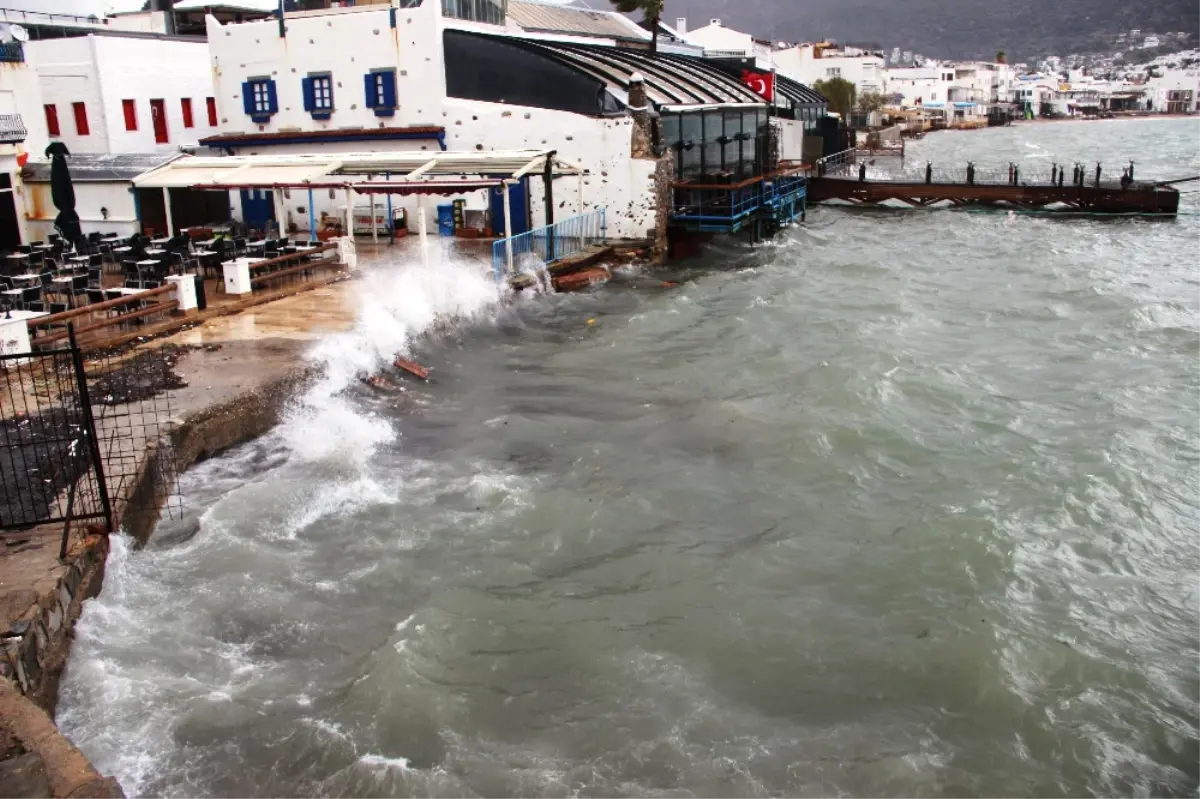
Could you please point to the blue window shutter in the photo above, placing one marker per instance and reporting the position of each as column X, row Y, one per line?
column 272, row 97
column 389, row 88
column 306, row 86
column 248, row 97
column 369, row 88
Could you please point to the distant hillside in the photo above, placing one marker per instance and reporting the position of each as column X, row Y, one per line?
column 1025, row 29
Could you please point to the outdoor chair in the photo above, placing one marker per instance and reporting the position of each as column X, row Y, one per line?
column 29, row 297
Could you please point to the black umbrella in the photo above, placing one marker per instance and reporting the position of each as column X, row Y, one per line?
column 63, row 194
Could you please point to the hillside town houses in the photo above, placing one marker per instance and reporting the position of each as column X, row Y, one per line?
column 132, row 94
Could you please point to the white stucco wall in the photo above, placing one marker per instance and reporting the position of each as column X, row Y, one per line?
column 20, row 93
column 177, row 70
column 867, row 73
column 348, row 44
column 102, row 71
column 352, row 42
column 90, row 198
column 67, row 73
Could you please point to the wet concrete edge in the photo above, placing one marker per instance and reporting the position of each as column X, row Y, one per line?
column 32, row 664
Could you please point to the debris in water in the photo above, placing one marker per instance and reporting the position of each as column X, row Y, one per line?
column 413, row 368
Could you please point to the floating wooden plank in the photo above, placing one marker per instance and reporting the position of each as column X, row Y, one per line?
column 581, row 279
column 412, row 367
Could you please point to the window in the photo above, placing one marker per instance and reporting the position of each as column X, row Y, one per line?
column 380, row 89
column 81, row 123
column 211, row 102
column 259, row 99
column 491, row 11
column 185, row 105
column 129, row 107
column 318, row 95
column 52, row 120
column 833, row 72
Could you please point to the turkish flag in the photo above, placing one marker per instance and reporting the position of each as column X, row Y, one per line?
column 763, row 83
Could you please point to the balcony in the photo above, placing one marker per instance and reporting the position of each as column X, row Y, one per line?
column 12, row 129
column 12, row 52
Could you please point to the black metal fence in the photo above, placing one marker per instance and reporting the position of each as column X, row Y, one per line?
column 84, row 440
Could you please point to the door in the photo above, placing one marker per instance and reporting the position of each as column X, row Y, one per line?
column 158, row 115
column 258, row 208
column 517, row 206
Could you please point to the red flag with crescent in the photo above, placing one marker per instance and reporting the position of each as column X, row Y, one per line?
column 762, row 83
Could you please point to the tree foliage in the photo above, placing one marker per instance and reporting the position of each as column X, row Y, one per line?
column 871, row 101
column 652, row 11
column 840, row 93
column 1001, row 57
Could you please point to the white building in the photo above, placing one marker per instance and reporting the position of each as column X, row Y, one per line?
column 464, row 76
column 22, row 133
column 716, row 39
column 809, row 63
column 1175, row 91
column 124, row 93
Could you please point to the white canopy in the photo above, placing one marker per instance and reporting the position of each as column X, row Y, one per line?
column 347, row 169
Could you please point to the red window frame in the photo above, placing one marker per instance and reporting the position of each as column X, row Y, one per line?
column 185, row 105
column 129, row 107
column 52, row 119
column 211, row 102
column 81, row 120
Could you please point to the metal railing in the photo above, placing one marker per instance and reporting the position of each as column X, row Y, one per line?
column 859, row 165
column 548, row 244
column 12, row 52
column 12, row 129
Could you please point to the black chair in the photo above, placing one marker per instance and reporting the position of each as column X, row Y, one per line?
column 25, row 248
column 129, row 269
column 96, row 295
column 95, row 278
column 30, row 297
column 78, row 287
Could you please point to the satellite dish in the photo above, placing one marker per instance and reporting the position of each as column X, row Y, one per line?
column 5, row 34
column 18, row 33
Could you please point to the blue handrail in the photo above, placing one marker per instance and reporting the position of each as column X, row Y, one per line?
column 560, row 240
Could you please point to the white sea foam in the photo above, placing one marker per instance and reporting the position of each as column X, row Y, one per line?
column 380, row 761
column 395, row 307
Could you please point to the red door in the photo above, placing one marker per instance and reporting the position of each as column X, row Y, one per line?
column 158, row 115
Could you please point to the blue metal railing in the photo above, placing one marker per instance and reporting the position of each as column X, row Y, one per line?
column 560, row 240
column 713, row 209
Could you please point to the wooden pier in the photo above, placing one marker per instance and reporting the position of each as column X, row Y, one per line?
column 846, row 178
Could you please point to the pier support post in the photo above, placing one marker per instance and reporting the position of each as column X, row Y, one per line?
column 548, row 180
column 312, row 218
column 1097, row 174
column 508, row 243
column 167, row 205
column 422, row 229
column 374, row 224
column 349, row 214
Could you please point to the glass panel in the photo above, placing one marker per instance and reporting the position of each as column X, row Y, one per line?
column 490, row 11
column 691, row 134
column 749, row 143
column 713, row 130
column 733, row 144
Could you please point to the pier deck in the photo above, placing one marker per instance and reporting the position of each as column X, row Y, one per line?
column 1106, row 198
column 862, row 179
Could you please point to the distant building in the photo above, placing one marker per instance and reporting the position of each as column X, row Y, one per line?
column 809, row 63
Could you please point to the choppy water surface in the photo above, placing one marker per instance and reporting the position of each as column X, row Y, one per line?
column 901, row 503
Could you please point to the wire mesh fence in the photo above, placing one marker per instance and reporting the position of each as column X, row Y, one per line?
column 86, row 440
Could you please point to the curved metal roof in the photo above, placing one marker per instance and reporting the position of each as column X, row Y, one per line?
column 671, row 80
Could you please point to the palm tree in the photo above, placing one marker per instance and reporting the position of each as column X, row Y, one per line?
column 651, row 11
